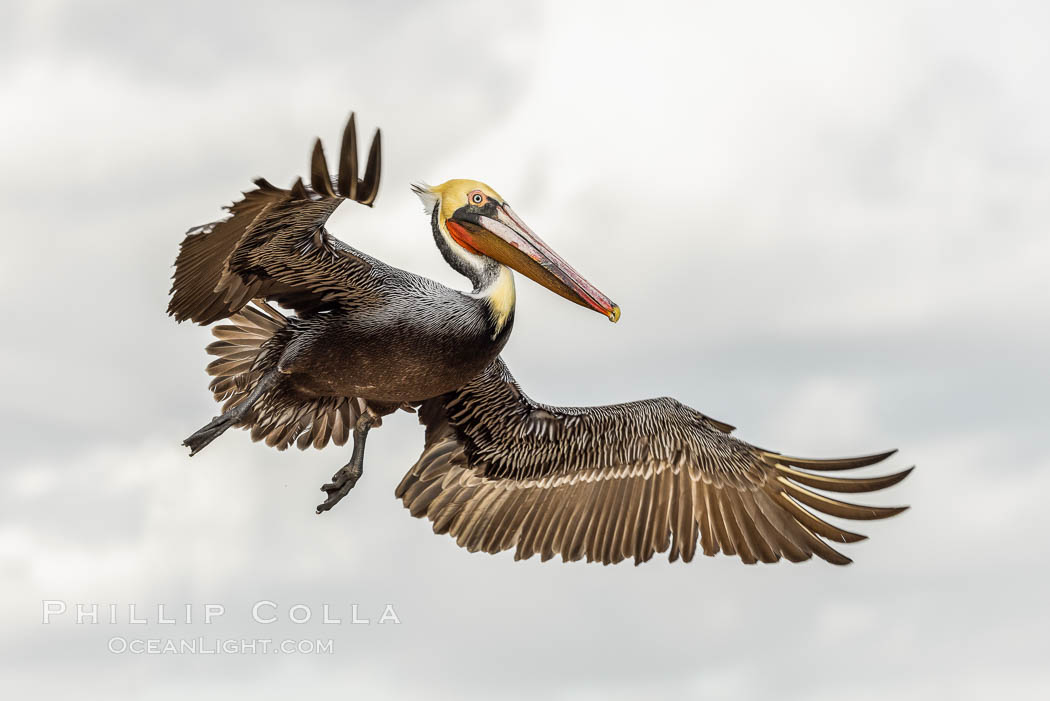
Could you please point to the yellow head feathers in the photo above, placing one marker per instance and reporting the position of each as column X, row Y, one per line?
column 452, row 194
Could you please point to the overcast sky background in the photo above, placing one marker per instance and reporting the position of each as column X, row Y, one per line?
column 826, row 223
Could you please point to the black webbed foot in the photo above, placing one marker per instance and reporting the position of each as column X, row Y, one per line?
column 207, row 433
column 217, row 426
column 341, row 484
column 344, row 480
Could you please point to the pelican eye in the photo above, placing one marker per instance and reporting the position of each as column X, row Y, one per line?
column 477, row 198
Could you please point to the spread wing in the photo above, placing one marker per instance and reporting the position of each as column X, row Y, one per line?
column 501, row 471
column 274, row 245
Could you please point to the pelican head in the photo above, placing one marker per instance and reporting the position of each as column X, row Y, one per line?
column 473, row 225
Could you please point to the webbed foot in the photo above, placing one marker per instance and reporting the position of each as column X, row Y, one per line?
column 344, row 480
column 341, row 484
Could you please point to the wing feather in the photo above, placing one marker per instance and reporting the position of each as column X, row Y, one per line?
column 502, row 472
column 274, row 246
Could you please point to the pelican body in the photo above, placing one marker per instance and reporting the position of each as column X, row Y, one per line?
column 390, row 352
column 321, row 341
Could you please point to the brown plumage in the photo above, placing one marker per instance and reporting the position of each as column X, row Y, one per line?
column 274, row 245
column 498, row 471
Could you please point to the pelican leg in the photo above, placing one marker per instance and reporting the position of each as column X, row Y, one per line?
column 344, row 480
column 217, row 426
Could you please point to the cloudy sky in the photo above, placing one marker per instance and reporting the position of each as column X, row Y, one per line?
column 826, row 223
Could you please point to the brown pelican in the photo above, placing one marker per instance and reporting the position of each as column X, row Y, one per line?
column 360, row 339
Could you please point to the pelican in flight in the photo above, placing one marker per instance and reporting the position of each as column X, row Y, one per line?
column 359, row 339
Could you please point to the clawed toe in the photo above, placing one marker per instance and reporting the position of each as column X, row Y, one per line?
column 334, row 497
column 341, row 484
column 206, row 434
column 346, row 484
column 344, row 480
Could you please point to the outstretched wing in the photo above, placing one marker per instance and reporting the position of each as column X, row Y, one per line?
column 607, row 483
column 274, row 244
